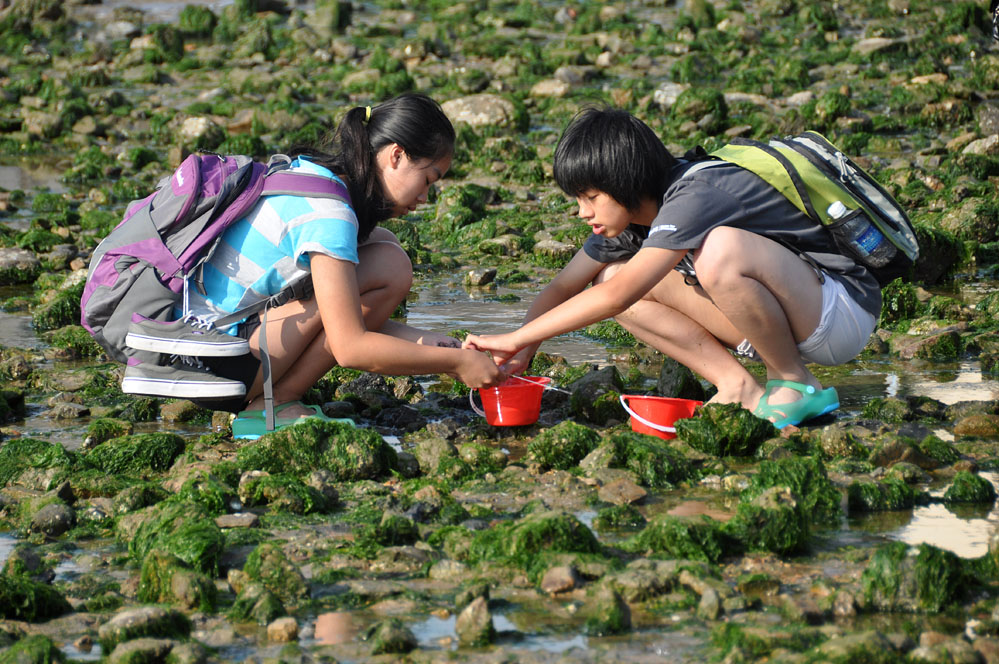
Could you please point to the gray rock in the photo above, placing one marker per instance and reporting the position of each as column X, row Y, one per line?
column 18, row 265
column 621, row 492
column 145, row 621
column 474, row 624
column 481, row 110
column 54, row 519
column 560, row 579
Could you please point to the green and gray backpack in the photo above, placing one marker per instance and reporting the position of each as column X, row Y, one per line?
column 867, row 224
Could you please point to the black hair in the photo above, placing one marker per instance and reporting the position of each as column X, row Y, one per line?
column 614, row 152
column 414, row 121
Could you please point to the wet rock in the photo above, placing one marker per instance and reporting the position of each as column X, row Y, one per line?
column 53, row 519
column 136, row 454
column 909, row 473
column 621, row 492
column 560, row 579
column 323, row 482
column 968, row 488
column 644, row 579
column 242, row 520
column 482, row 110
column 390, row 636
column 165, row 578
column 872, row 496
column 439, row 458
column 676, row 380
column 892, row 453
column 837, row 440
column 553, row 251
column 283, row 630
column 602, row 457
column 709, row 607
column 978, row 426
column 921, row 579
column 854, row 647
column 182, row 528
column 682, row 538
column 158, row 650
column 18, row 266
column 595, row 396
column 608, row 613
column 22, row 598
column 255, row 603
column 945, row 651
column 145, row 621
column 724, row 430
column 269, row 565
column 180, row 410
column 562, row 446
column 447, row 570
column 474, row 624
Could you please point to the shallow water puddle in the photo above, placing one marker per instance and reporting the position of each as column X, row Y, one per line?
column 963, row 529
column 16, row 331
column 440, row 633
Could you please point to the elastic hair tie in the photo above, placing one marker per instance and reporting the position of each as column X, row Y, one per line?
column 367, row 113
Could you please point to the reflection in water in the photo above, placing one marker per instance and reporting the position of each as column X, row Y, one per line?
column 16, row 331
column 335, row 628
column 963, row 529
column 436, row 631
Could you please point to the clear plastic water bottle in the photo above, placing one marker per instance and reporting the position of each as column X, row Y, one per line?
column 854, row 228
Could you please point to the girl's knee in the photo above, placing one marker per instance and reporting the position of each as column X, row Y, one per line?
column 721, row 256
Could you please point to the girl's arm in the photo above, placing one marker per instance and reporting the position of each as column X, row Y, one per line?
column 605, row 300
column 572, row 280
column 356, row 347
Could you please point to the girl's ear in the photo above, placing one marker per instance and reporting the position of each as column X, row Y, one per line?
column 395, row 155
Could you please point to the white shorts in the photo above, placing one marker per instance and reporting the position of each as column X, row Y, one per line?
column 844, row 328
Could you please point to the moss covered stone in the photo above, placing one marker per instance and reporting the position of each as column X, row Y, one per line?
column 563, row 445
column 724, row 430
column 106, row 428
column 165, row 578
column 521, row 543
column 921, row 579
column 608, row 613
column 255, row 603
column 208, row 491
column 684, row 538
column 806, row 478
column 873, row 496
column 22, row 598
column 619, row 517
column 270, row 566
column 136, row 454
column 34, row 649
column 773, row 521
column 182, row 528
column 145, row 621
column 348, row 453
column 390, row 636
column 970, row 488
column 283, row 492
column 21, row 454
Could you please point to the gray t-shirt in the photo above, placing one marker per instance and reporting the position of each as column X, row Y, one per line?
column 728, row 195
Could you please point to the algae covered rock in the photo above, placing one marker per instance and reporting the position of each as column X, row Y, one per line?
column 520, row 542
column 618, row 517
column 28, row 454
column 270, row 566
column 347, row 452
column 682, row 538
column 282, row 492
column 608, row 613
column 390, row 636
column 654, row 462
column 136, row 454
column 165, row 578
column 182, row 528
column 872, row 496
column 563, row 446
column 923, row 579
column 145, row 621
column 34, row 649
column 807, row 479
column 22, row 598
column 772, row 521
column 474, row 625
column 970, row 488
column 255, row 603
column 724, row 430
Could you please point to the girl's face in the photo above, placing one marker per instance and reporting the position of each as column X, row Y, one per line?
column 601, row 212
column 406, row 181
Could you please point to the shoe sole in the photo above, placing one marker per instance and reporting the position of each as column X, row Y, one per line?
column 158, row 387
column 180, row 347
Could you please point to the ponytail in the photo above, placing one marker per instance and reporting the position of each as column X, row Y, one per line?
column 414, row 121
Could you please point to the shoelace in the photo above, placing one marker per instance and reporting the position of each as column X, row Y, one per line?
column 198, row 322
column 189, row 360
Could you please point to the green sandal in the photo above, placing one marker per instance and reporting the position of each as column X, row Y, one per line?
column 250, row 424
column 811, row 404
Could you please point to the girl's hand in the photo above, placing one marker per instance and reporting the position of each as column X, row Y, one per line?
column 501, row 346
column 477, row 370
column 519, row 363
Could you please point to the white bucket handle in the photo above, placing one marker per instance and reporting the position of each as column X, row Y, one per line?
column 471, row 402
column 651, row 425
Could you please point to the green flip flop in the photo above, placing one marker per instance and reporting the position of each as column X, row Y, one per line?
column 812, row 403
column 250, row 424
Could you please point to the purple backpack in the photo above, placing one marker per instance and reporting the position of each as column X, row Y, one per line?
column 144, row 265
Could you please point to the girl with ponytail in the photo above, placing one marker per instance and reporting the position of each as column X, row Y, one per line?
column 387, row 156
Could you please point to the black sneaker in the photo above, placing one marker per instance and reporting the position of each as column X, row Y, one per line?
column 188, row 336
column 183, row 378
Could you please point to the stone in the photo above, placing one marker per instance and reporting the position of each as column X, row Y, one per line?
column 985, row 146
column 481, row 110
column 283, row 630
column 54, row 519
column 474, row 624
column 145, row 621
column 621, row 492
column 709, row 608
column 560, row 579
column 240, row 520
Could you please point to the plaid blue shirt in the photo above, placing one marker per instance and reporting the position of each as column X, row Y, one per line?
column 269, row 249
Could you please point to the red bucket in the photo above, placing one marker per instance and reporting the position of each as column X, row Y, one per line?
column 515, row 402
column 655, row 416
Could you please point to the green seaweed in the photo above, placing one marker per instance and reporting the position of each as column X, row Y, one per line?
column 563, row 445
column 136, row 453
column 677, row 537
column 22, row 598
column 968, row 487
column 724, row 430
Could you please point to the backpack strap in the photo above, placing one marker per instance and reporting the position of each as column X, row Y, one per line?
column 780, row 172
